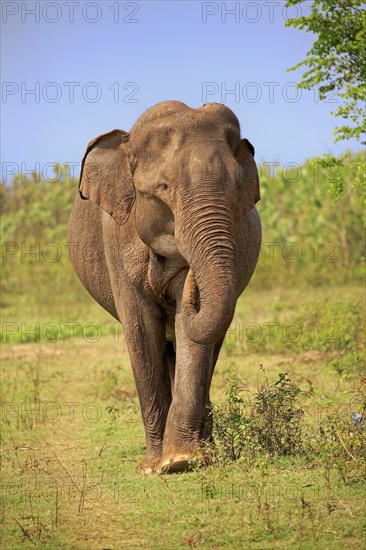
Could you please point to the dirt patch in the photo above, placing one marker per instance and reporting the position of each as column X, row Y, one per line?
column 305, row 357
column 28, row 352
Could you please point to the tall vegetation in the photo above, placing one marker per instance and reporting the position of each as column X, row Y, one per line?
column 309, row 237
column 336, row 63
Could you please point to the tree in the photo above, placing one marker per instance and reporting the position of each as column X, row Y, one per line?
column 336, row 62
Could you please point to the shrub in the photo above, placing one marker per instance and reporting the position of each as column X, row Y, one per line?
column 278, row 418
column 329, row 326
column 271, row 423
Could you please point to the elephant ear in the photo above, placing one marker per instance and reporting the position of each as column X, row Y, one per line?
column 251, row 189
column 106, row 177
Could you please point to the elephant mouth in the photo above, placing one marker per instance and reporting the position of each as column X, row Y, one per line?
column 196, row 296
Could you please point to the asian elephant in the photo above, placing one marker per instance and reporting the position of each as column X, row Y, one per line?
column 168, row 210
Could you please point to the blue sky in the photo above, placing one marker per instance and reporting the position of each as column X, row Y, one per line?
column 96, row 66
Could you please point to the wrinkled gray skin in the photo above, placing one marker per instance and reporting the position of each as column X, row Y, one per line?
column 175, row 238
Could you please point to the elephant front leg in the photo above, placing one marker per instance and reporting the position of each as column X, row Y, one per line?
column 145, row 337
column 186, row 427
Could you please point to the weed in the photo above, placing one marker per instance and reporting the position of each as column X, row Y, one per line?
column 270, row 424
column 330, row 326
column 278, row 418
column 232, row 425
column 111, row 428
column 349, row 363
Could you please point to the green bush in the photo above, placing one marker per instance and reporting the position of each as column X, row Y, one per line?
column 341, row 439
column 332, row 327
column 270, row 424
column 232, row 425
column 278, row 418
column 273, row 425
column 329, row 326
column 350, row 363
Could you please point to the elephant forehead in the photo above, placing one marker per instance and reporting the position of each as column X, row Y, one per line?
column 183, row 132
column 171, row 117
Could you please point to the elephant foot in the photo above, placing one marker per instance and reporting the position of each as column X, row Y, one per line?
column 148, row 466
column 179, row 463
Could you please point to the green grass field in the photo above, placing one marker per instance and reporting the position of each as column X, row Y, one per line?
column 72, row 434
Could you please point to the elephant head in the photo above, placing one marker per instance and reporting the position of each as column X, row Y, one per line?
column 188, row 178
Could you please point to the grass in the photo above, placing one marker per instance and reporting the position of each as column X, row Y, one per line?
column 72, row 435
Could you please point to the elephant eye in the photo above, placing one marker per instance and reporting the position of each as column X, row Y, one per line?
column 162, row 186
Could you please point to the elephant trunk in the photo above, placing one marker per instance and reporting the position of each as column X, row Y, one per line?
column 210, row 290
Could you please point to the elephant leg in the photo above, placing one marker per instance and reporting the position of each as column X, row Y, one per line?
column 145, row 337
column 185, row 426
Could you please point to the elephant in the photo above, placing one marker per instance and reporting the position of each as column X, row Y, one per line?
column 168, row 210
